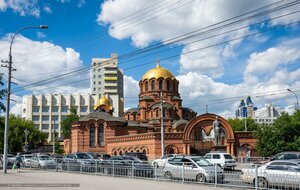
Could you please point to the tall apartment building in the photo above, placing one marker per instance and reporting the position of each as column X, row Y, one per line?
column 47, row 111
column 107, row 79
column 266, row 115
column 245, row 109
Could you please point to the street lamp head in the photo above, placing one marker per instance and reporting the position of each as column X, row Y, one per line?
column 44, row 26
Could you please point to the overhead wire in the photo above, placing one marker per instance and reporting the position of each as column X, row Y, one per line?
column 67, row 74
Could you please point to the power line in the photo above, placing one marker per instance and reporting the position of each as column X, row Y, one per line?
column 202, row 48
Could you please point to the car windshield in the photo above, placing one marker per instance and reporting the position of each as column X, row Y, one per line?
column 228, row 156
column 83, row 156
column 202, row 162
column 92, row 155
column 45, row 158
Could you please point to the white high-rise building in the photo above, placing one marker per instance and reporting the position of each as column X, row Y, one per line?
column 266, row 115
column 107, row 79
column 48, row 110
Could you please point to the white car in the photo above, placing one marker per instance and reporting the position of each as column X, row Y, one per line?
column 279, row 173
column 160, row 163
column 26, row 159
column 43, row 162
column 222, row 159
column 192, row 168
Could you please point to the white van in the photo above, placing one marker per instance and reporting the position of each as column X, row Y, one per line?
column 222, row 159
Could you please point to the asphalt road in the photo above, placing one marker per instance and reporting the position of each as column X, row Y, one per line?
column 61, row 180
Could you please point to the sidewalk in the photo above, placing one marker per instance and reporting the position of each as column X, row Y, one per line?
column 89, row 182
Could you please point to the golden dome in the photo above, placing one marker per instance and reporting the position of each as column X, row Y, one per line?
column 103, row 101
column 158, row 72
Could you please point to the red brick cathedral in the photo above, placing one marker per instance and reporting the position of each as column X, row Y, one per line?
column 140, row 128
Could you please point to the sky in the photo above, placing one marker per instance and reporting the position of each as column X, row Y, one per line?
column 221, row 51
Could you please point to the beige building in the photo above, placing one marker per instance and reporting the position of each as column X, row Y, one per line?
column 107, row 79
column 48, row 110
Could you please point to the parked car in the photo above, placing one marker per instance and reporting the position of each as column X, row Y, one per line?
column 160, row 163
column 10, row 159
column 195, row 168
column 127, row 166
column 26, row 159
column 286, row 156
column 103, row 156
column 43, row 162
column 138, row 155
column 222, row 159
column 78, row 162
column 280, row 173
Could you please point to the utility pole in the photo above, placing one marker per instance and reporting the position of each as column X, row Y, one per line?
column 162, row 125
column 8, row 92
column 53, row 136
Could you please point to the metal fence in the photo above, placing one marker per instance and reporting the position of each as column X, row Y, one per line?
column 249, row 177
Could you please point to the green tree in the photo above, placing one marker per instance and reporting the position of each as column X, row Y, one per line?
column 283, row 135
column 16, row 133
column 67, row 123
column 239, row 124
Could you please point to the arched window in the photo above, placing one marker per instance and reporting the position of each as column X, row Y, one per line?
column 138, row 151
column 144, row 151
column 115, row 153
column 128, row 117
column 101, row 135
column 153, row 85
column 134, row 117
column 160, row 85
column 146, row 86
column 168, row 85
column 92, row 135
column 174, row 86
column 120, row 153
column 156, row 112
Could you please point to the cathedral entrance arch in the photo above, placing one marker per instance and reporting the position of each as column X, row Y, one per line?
column 198, row 135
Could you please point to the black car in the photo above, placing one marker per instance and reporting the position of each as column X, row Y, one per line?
column 286, row 156
column 127, row 166
column 138, row 155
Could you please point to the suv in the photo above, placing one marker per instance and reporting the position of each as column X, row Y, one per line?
column 138, row 155
column 224, row 160
column 286, row 156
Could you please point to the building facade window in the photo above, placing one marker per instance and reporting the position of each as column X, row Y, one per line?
column 83, row 109
column 160, row 85
column 128, row 117
column 64, row 109
column 134, row 117
column 153, row 85
column 45, row 126
column 92, row 135
column 101, row 135
column 45, row 118
column 168, row 85
column 55, row 109
column 36, row 118
column 156, row 113
column 55, row 118
column 36, row 109
column 45, row 109
column 146, row 86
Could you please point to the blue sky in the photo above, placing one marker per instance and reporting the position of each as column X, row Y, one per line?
column 265, row 64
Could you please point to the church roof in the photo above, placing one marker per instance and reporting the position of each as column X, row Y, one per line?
column 102, row 115
column 158, row 72
column 188, row 109
column 103, row 101
column 132, row 110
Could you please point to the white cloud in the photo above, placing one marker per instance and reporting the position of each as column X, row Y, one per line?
column 176, row 18
column 22, row 7
column 131, row 92
column 40, row 35
column 3, row 5
column 36, row 60
column 81, row 3
column 47, row 9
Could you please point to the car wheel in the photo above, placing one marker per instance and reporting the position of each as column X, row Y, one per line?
column 155, row 165
column 201, row 178
column 262, row 182
column 168, row 175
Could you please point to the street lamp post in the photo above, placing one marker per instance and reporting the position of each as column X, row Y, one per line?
column 9, row 66
column 162, row 125
column 295, row 96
